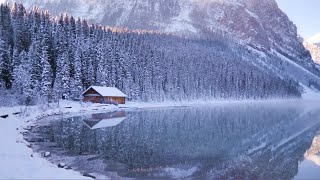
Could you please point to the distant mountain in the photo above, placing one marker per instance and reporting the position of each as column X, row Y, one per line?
column 257, row 23
column 314, row 50
column 313, row 45
column 315, row 39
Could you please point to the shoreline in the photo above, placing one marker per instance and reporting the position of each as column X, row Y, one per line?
column 16, row 153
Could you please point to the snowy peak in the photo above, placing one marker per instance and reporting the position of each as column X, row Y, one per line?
column 314, row 39
column 314, row 49
column 313, row 45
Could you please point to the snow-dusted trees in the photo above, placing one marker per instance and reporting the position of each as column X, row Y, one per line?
column 5, row 64
column 6, row 46
column 76, row 81
column 48, row 59
column 46, row 77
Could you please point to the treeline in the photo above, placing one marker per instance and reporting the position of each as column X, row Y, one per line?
column 43, row 58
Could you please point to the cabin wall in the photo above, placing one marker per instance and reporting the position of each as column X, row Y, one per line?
column 93, row 96
column 119, row 100
column 98, row 99
column 93, row 99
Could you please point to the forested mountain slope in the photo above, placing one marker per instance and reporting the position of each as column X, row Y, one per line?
column 256, row 23
column 44, row 59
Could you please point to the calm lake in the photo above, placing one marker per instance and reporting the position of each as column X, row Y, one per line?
column 278, row 140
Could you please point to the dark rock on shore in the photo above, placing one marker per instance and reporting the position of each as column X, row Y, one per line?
column 61, row 165
column 89, row 175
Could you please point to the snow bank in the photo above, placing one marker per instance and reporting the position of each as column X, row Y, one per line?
column 310, row 94
column 178, row 173
column 18, row 160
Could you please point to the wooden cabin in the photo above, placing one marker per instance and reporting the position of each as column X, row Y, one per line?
column 108, row 95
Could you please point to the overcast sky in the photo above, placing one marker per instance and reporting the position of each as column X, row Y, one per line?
column 304, row 13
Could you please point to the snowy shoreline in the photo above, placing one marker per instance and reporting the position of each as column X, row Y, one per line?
column 17, row 156
column 18, row 161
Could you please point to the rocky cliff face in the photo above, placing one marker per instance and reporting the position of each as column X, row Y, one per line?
column 257, row 23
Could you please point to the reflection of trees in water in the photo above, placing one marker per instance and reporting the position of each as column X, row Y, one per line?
column 268, row 164
column 211, row 137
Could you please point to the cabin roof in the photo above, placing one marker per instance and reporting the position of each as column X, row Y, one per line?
column 107, row 91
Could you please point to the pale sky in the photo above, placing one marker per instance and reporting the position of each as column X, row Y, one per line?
column 304, row 13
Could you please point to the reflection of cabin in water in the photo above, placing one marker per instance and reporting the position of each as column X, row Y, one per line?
column 109, row 95
column 105, row 120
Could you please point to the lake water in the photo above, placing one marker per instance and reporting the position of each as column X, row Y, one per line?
column 279, row 140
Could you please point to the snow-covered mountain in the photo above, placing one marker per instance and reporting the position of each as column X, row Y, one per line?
column 314, row 50
column 258, row 23
column 313, row 45
column 315, row 39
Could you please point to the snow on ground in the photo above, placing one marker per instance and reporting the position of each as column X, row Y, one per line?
column 310, row 94
column 18, row 160
column 178, row 173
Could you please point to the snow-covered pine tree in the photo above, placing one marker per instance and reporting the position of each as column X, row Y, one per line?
column 102, row 70
column 5, row 64
column 76, row 84
column 65, row 75
column 46, row 81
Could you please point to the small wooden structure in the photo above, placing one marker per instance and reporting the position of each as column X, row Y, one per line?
column 108, row 95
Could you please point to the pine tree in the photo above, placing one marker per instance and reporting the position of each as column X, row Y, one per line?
column 5, row 64
column 46, row 76
column 65, row 74
column 77, row 80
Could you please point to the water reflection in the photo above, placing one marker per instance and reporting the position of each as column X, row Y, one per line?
column 104, row 120
column 310, row 166
column 235, row 141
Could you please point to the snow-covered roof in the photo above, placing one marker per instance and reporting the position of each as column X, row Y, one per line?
column 107, row 91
